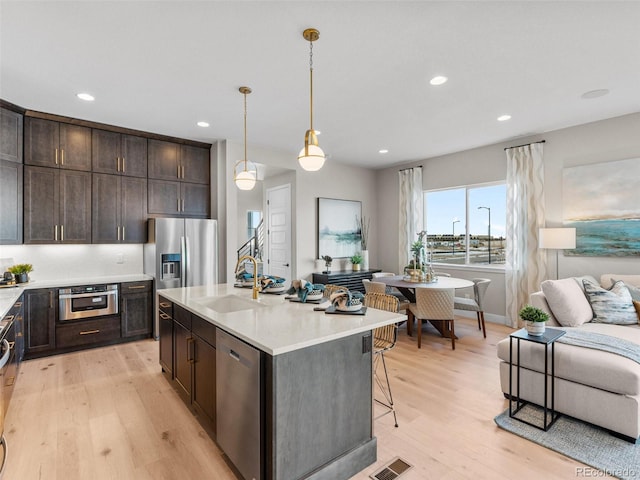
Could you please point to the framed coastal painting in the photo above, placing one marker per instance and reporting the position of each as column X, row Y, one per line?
column 338, row 228
column 602, row 202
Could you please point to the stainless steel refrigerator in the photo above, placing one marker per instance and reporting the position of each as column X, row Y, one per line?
column 181, row 252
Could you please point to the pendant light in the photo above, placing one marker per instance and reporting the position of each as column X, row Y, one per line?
column 245, row 173
column 311, row 157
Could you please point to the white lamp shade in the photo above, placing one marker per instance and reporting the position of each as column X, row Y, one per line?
column 314, row 160
column 557, row 238
column 245, row 175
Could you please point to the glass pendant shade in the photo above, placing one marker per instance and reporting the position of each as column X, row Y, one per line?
column 311, row 157
column 245, row 175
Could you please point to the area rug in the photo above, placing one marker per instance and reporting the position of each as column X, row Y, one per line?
column 581, row 441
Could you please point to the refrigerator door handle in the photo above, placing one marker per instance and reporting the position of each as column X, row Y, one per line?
column 184, row 265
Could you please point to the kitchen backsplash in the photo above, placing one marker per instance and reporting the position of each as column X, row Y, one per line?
column 51, row 262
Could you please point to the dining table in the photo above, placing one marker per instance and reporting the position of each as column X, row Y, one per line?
column 407, row 288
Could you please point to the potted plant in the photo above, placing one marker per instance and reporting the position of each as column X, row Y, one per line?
column 327, row 263
column 363, row 224
column 534, row 320
column 21, row 272
column 356, row 260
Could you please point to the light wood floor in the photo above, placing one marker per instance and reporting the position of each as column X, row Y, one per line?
column 108, row 413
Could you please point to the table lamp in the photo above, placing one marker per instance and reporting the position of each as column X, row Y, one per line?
column 557, row 239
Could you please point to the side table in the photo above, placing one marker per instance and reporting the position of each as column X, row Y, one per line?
column 548, row 338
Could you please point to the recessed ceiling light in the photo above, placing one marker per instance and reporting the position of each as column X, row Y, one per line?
column 203, row 124
column 438, row 80
column 86, row 97
column 384, row 150
column 504, row 118
column 594, row 94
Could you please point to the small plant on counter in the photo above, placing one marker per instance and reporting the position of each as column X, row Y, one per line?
column 21, row 272
column 21, row 268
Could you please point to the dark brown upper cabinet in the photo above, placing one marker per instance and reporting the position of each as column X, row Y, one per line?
column 10, row 202
column 48, row 143
column 57, row 205
column 118, row 154
column 184, row 163
column 11, row 124
column 119, row 209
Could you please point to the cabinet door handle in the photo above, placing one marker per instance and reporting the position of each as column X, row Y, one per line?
column 191, row 346
column 123, row 229
column 55, row 233
column 11, row 345
column 178, row 204
column 17, row 304
column 8, row 318
column 164, row 316
column 118, row 232
column 89, row 332
column 178, row 171
column 124, row 169
column 56, row 156
column 182, row 171
column 134, row 287
column 62, row 233
column 62, row 156
column 165, row 305
column 118, row 164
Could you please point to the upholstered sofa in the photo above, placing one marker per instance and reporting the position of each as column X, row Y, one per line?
column 596, row 386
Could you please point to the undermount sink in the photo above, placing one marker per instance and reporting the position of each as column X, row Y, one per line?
column 230, row 303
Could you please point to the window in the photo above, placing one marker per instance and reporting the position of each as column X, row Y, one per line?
column 254, row 217
column 466, row 225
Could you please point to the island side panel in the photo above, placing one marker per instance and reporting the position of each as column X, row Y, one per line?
column 319, row 410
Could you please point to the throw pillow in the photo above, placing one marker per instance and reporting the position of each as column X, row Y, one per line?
column 567, row 302
column 611, row 306
column 634, row 291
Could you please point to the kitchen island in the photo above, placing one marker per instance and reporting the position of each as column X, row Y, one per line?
column 284, row 390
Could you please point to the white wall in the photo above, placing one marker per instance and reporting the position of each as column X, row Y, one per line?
column 607, row 140
column 334, row 180
column 52, row 262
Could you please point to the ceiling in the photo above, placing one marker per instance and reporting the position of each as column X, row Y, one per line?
column 162, row 66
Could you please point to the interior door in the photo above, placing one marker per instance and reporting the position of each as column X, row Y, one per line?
column 278, row 220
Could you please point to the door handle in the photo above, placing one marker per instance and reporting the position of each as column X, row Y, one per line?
column 89, row 332
column 286, row 264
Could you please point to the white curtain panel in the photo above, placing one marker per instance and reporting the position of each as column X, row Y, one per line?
column 526, row 264
column 411, row 212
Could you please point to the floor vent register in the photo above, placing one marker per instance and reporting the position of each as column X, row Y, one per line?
column 393, row 470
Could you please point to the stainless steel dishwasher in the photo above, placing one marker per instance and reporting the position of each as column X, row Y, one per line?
column 238, row 404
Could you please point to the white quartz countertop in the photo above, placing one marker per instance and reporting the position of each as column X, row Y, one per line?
column 9, row 295
column 277, row 325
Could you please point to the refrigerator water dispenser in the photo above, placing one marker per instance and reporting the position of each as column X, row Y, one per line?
column 170, row 266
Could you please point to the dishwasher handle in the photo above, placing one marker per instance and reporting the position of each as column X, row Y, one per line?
column 7, row 351
column 235, row 355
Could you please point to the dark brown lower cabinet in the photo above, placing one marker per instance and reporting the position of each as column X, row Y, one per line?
column 40, row 324
column 87, row 332
column 136, row 305
column 188, row 359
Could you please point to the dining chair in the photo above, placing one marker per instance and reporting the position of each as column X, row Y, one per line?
column 373, row 287
column 474, row 304
column 384, row 339
column 433, row 304
column 379, row 287
column 392, row 290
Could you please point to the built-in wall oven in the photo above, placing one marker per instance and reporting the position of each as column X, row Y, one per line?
column 87, row 301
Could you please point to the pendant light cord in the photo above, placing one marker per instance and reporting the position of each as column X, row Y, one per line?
column 311, row 85
column 245, row 132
